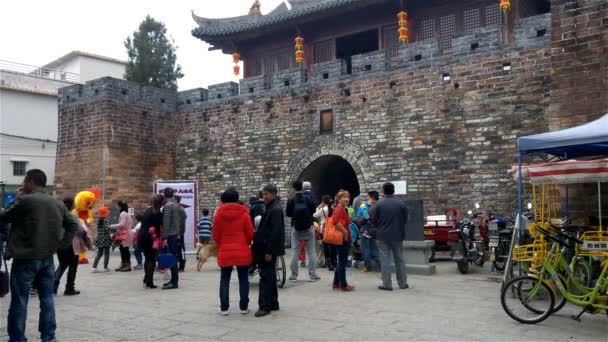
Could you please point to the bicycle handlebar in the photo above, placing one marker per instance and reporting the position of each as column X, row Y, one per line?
column 565, row 236
column 553, row 238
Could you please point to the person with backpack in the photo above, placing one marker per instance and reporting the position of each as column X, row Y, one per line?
column 301, row 209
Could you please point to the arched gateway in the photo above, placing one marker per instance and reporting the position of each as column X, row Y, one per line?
column 330, row 163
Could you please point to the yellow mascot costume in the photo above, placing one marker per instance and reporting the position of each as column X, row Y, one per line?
column 84, row 202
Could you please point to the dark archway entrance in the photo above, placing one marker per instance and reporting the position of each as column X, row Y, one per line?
column 329, row 174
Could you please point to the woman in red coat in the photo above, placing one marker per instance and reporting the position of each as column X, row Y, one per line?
column 233, row 233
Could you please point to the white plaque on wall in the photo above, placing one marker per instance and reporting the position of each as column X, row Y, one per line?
column 400, row 187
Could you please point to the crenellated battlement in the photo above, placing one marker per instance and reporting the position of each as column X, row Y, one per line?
column 130, row 92
column 529, row 33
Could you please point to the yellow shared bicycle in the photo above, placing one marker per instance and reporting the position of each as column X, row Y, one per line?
column 533, row 298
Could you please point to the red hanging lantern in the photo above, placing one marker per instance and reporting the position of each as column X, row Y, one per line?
column 236, row 58
column 505, row 5
column 299, row 43
column 299, row 56
column 403, row 30
column 299, row 46
column 404, row 34
column 402, row 18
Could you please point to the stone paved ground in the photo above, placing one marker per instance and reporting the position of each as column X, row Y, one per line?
column 448, row 306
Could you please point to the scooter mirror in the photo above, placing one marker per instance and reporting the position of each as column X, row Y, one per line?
column 476, row 205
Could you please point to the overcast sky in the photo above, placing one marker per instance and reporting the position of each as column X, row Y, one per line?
column 37, row 32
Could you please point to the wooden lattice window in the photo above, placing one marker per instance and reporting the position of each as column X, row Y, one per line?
column 493, row 15
column 284, row 60
column 268, row 62
column 471, row 19
column 324, row 51
column 447, row 29
column 254, row 67
column 426, row 29
column 390, row 39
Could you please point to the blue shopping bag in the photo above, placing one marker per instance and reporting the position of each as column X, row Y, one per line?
column 166, row 260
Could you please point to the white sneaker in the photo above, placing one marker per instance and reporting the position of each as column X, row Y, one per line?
column 106, row 270
column 223, row 313
column 94, row 270
column 244, row 312
column 293, row 278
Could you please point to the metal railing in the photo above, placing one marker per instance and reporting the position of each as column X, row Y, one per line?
column 53, row 74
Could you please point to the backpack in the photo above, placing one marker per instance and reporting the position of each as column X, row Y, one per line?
column 302, row 218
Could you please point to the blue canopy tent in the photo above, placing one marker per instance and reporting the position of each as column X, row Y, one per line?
column 590, row 139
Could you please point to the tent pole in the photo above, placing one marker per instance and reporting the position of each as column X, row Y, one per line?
column 567, row 202
column 599, row 202
column 520, row 203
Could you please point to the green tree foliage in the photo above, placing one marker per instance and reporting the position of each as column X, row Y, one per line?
column 152, row 59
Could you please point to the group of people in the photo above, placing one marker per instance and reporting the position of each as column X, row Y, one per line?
column 375, row 221
column 42, row 226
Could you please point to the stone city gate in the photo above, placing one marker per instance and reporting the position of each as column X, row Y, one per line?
column 331, row 163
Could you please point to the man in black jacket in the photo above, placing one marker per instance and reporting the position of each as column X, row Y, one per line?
column 268, row 244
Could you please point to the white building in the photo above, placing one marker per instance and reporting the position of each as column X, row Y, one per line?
column 87, row 65
column 28, row 112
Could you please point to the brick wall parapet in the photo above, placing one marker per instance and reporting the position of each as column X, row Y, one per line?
column 285, row 80
column 220, row 92
column 369, row 64
column 113, row 88
column 191, row 99
column 529, row 33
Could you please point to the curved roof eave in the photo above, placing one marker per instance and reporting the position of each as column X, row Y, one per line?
column 219, row 28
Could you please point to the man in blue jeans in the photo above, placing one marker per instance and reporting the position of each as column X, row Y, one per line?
column 171, row 223
column 39, row 225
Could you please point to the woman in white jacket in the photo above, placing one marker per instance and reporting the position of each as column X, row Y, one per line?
column 328, row 257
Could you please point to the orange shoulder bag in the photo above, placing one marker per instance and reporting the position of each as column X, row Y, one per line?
column 332, row 235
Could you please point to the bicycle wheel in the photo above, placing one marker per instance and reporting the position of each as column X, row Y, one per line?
column 500, row 262
column 281, row 271
column 583, row 273
column 527, row 300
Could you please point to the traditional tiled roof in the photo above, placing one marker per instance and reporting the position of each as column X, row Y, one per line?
column 301, row 10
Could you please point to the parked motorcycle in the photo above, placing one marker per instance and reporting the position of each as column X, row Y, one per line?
column 467, row 244
column 501, row 233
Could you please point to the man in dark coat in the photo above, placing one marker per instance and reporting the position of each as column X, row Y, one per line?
column 389, row 217
column 39, row 225
column 268, row 244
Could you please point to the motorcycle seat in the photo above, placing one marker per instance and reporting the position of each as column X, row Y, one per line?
column 506, row 231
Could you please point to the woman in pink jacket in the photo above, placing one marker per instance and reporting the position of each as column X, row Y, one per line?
column 122, row 237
